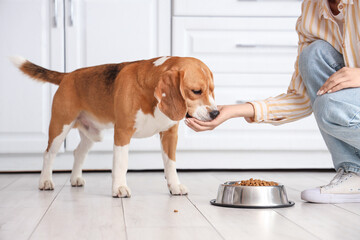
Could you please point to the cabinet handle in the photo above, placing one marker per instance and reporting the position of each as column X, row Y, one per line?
column 55, row 13
column 264, row 46
column 71, row 15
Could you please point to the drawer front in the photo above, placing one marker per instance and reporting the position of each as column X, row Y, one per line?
column 247, row 45
column 237, row 8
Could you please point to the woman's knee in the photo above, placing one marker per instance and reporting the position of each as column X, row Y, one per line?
column 314, row 55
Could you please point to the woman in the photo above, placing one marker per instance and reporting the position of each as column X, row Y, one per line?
column 326, row 81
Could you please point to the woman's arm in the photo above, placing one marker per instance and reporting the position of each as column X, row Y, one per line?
column 245, row 110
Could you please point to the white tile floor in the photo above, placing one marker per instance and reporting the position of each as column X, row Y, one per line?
column 91, row 213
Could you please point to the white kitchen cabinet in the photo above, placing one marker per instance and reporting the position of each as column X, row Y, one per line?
column 249, row 45
column 65, row 35
column 113, row 31
column 28, row 29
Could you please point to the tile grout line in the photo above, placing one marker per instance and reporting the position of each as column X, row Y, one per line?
column 312, row 234
column 294, row 189
column 123, row 211
column 10, row 183
column 346, row 209
column 47, row 209
column 205, row 217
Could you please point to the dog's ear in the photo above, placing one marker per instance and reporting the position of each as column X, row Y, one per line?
column 211, row 85
column 169, row 94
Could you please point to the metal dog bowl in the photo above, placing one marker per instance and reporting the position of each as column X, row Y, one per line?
column 230, row 195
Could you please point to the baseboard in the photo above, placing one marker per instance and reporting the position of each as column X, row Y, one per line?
column 185, row 160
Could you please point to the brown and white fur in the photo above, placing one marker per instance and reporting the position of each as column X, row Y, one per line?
column 138, row 99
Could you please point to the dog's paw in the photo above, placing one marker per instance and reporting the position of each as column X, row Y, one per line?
column 77, row 182
column 46, row 184
column 121, row 192
column 178, row 189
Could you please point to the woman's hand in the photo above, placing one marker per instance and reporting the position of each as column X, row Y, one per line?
column 226, row 112
column 198, row 125
column 344, row 78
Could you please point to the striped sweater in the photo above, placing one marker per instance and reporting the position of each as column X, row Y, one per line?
column 316, row 22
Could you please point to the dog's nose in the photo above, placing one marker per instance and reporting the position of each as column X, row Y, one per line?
column 214, row 114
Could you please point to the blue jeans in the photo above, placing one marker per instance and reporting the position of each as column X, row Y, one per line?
column 337, row 114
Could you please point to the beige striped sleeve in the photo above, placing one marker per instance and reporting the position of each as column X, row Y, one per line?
column 293, row 105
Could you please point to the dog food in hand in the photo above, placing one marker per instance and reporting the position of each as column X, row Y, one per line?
column 255, row 182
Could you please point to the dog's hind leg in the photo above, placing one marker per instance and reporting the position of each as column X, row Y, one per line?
column 57, row 134
column 80, row 154
column 168, row 145
column 63, row 118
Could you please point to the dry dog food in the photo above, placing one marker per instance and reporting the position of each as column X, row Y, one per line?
column 255, row 182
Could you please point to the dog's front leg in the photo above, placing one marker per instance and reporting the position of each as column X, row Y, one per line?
column 120, row 164
column 168, row 143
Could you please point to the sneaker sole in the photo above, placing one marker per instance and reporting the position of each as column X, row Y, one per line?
column 315, row 196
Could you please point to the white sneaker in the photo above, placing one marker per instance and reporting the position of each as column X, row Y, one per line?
column 343, row 188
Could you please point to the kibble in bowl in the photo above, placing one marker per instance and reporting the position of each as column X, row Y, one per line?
column 252, row 193
column 255, row 182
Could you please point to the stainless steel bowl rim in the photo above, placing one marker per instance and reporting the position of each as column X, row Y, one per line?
column 213, row 202
column 251, row 196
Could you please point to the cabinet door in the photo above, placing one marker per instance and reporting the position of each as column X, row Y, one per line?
column 31, row 29
column 114, row 31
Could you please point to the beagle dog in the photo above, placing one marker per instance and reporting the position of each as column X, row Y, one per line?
column 138, row 99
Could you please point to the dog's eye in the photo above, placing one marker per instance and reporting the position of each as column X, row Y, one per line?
column 198, row 92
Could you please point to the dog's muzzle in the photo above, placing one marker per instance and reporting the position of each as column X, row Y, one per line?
column 214, row 114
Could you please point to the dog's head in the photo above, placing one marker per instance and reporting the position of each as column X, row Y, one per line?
column 187, row 90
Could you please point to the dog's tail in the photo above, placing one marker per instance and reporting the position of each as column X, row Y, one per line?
column 37, row 72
